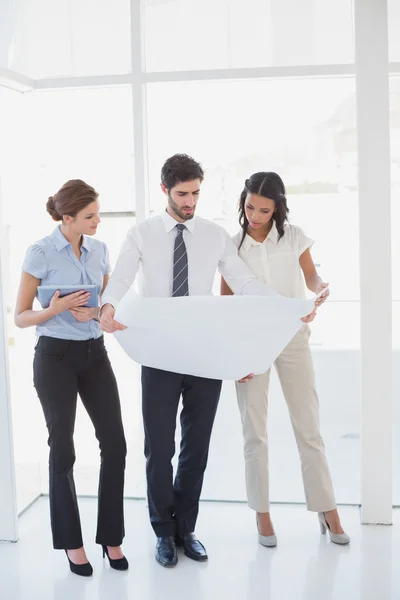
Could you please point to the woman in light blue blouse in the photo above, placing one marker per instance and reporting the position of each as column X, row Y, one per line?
column 71, row 359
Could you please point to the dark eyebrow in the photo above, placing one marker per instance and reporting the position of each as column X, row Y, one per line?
column 182, row 192
column 265, row 208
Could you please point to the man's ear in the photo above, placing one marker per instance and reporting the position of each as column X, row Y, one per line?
column 164, row 189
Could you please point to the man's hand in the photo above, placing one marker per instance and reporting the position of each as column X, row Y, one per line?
column 247, row 378
column 107, row 322
column 83, row 314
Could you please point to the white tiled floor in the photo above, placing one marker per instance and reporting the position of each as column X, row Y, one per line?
column 304, row 566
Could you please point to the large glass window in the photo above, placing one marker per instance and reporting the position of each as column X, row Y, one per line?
column 25, row 411
column 86, row 134
column 67, row 37
column 304, row 130
column 6, row 33
column 51, row 137
column 256, row 33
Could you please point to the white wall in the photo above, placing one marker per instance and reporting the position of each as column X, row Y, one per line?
column 8, row 505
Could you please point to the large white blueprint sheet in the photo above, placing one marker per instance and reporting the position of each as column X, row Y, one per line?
column 218, row 337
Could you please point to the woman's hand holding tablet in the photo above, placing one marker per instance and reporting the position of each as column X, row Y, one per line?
column 71, row 296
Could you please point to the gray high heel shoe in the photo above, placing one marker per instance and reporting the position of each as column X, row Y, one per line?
column 269, row 541
column 336, row 538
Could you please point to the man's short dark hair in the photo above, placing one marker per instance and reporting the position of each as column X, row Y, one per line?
column 180, row 168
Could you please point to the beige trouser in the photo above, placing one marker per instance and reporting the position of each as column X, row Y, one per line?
column 296, row 374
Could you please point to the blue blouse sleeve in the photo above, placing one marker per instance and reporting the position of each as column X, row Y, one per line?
column 35, row 262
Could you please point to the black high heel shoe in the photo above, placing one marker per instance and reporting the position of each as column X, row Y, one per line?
column 85, row 570
column 119, row 564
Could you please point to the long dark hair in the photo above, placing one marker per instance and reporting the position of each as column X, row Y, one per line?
column 268, row 185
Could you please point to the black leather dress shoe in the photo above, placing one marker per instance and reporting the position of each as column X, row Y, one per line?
column 192, row 547
column 166, row 553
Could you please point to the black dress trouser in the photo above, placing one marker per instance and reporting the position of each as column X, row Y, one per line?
column 62, row 370
column 174, row 505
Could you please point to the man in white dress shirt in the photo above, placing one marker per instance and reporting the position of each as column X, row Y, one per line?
column 178, row 254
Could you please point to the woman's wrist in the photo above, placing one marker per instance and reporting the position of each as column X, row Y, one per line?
column 313, row 285
column 49, row 312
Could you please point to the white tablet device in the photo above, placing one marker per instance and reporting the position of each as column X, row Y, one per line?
column 46, row 292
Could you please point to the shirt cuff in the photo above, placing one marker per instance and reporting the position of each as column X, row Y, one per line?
column 105, row 301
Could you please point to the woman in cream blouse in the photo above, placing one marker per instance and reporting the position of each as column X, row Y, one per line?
column 279, row 254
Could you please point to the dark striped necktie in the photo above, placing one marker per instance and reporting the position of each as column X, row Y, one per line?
column 180, row 285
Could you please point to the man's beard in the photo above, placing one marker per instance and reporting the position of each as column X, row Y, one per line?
column 178, row 210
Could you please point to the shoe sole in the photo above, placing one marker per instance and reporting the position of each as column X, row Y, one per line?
column 180, row 545
column 167, row 566
column 196, row 558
